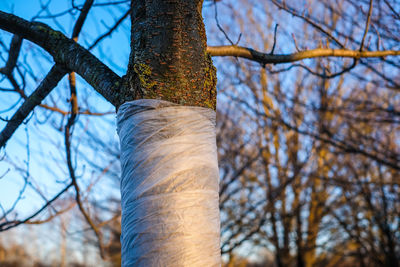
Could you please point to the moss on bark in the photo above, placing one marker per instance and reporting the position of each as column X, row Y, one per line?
column 168, row 59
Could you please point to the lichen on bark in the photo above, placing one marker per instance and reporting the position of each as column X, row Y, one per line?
column 168, row 57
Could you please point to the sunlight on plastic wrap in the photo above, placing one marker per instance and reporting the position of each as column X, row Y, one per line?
column 169, row 185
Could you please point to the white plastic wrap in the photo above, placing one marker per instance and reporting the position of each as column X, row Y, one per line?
column 169, row 185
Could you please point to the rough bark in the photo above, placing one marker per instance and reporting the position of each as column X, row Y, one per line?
column 168, row 57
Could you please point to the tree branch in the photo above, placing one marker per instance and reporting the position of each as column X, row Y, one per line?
column 13, row 54
column 45, row 87
column 282, row 5
column 67, row 139
column 110, row 31
column 11, row 224
column 81, row 19
column 366, row 25
column 266, row 58
column 66, row 53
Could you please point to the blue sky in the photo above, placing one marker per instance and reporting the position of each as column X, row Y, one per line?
column 44, row 140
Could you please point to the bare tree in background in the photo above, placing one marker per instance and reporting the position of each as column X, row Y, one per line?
column 311, row 130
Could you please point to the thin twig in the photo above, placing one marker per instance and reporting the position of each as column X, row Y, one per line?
column 46, row 86
column 110, row 31
column 366, row 25
column 308, row 20
column 219, row 26
column 11, row 224
column 274, row 44
column 295, row 43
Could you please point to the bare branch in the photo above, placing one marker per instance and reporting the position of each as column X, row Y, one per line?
column 366, row 25
column 308, row 20
column 81, row 19
column 13, row 54
column 396, row 14
column 45, row 87
column 219, row 25
column 274, row 44
column 67, row 139
column 266, row 58
column 67, row 53
column 11, row 224
column 110, row 31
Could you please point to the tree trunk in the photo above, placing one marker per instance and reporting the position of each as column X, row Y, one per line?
column 168, row 57
column 169, row 183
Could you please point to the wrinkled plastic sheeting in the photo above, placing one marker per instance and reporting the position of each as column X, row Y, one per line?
column 169, row 185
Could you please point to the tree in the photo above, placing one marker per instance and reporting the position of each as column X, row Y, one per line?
column 172, row 63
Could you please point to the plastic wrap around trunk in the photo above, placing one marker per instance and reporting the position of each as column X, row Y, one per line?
column 169, row 185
